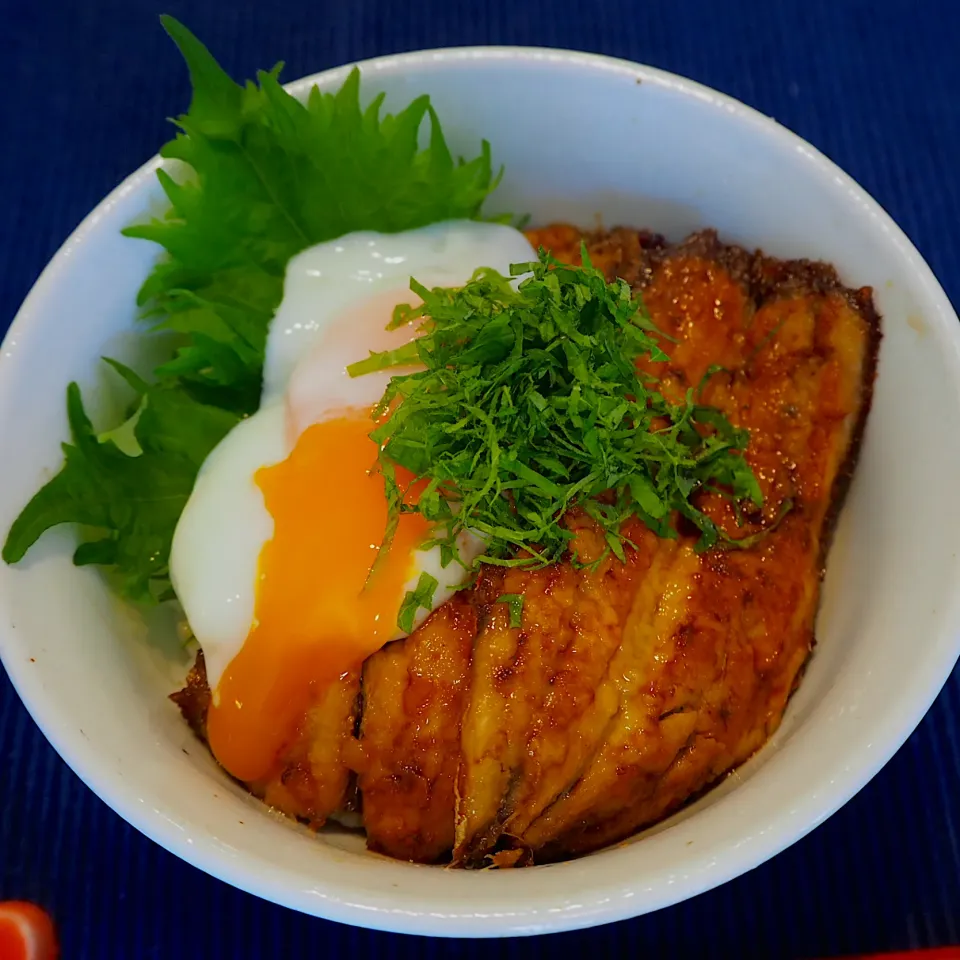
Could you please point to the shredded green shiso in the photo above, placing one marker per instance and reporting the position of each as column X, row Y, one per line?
column 530, row 403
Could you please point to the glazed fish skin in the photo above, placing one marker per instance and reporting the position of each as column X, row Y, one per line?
column 312, row 780
column 800, row 368
column 537, row 706
column 410, row 733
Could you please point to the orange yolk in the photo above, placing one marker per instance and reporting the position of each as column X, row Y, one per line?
column 315, row 618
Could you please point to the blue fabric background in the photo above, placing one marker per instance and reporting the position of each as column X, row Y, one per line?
column 875, row 85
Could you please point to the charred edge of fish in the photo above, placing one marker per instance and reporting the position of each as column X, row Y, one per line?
column 866, row 308
column 574, row 843
column 193, row 699
column 486, row 840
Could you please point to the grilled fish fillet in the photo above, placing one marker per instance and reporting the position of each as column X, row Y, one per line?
column 311, row 780
column 713, row 643
column 537, row 703
column 631, row 687
column 408, row 752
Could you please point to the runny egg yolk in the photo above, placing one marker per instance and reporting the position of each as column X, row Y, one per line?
column 315, row 617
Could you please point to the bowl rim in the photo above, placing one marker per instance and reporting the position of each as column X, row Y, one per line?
column 539, row 914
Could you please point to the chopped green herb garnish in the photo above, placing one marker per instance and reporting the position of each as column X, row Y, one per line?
column 420, row 598
column 514, row 602
column 530, row 403
column 264, row 177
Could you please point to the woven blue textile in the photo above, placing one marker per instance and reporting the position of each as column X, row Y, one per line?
column 875, row 85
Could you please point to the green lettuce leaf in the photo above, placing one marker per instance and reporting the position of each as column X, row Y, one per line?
column 131, row 503
column 270, row 177
column 261, row 176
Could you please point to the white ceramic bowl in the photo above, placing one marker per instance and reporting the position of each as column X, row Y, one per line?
column 581, row 137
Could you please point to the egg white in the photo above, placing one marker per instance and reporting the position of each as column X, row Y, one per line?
column 338, row 298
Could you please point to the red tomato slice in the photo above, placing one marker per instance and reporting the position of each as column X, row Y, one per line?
column 26, row 932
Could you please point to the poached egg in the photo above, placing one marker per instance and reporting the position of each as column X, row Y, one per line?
column 272, row 553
